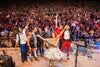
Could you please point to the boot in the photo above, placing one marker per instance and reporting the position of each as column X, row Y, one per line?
column 41, row 55
column 31, row 59
column 36, row 59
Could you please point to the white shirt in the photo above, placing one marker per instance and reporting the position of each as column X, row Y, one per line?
column 2, row 33
column 77, row 28
column 66, row 35
column 8, row 16
column 73, row 24
column 23, row 37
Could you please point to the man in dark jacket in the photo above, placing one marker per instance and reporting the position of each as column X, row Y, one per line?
column 40, row 42
column 46, row 34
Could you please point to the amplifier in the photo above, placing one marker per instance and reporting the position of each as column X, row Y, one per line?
column 6, row 61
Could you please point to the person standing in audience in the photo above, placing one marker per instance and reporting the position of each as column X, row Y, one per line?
column 91, row 34
column 2, row 33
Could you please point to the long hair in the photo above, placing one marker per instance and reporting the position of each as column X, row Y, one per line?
column 51, row 34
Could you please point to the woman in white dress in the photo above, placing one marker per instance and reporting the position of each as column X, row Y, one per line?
column 53, row 53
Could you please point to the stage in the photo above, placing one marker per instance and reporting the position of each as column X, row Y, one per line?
column 83, row 61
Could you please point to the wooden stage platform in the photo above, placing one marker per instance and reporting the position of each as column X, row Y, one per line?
column 83, row 61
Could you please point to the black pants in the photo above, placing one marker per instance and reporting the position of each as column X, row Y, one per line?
column 24, row 54
column 13, row 42
column 60, row 44
column 40, row 47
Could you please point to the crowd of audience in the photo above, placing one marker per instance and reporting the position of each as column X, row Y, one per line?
column 83, row 21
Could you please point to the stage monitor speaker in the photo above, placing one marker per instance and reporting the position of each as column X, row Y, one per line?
column 6, row 61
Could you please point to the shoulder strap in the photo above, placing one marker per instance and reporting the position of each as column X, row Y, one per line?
column 19, row 38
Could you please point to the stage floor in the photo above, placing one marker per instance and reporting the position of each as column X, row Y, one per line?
column 83, row 61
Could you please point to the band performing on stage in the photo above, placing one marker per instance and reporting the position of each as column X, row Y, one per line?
column 49, row 33
column 54, row 47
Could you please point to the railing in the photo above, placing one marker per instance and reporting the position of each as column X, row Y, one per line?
column 7, row 42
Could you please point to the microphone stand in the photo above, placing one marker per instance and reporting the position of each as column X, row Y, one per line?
column 76, row 57
column 77, row 53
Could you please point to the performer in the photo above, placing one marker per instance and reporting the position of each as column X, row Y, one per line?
column 32, row 46
column 53, row 53
column 46, row 34
column 34, row 33
column 41, row 46
column 66, row 41
column 21, row 38
column 58, row 30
